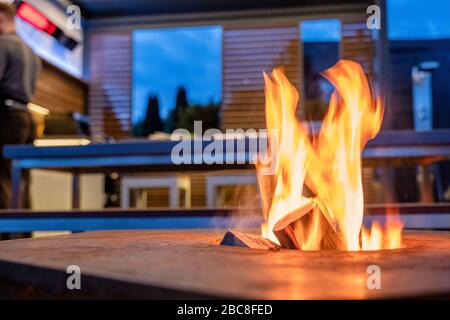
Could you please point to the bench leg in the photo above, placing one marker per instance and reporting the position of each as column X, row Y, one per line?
column 425, row 184
column 388, row 183
column 16, row 200
column 174, row 196
column 76, row 191
column 16, row 186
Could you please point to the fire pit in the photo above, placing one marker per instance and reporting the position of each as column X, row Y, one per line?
column 191, row 264
column 312, row 244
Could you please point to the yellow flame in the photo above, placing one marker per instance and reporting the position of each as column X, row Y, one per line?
column 330, row 165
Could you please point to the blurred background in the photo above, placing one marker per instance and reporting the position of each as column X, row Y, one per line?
column 140, row 69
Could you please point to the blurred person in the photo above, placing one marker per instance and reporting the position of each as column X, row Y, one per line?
column 19, row 67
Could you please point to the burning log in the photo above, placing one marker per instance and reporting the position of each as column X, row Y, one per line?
column 331, row 239
column 287, row 230
column 266, row 185
column 239, row 239
column 284, row 228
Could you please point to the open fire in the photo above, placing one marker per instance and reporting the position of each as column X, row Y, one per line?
column 314, row 199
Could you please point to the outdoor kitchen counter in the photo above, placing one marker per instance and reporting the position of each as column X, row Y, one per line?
column 191, row 264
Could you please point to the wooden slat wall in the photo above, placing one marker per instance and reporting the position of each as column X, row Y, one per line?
column 59, row 91
column 198, row 189
column 247, row 52
column 110, row 56
column 357, row 44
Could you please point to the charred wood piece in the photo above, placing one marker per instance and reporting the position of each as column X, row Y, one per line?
column 239, row 239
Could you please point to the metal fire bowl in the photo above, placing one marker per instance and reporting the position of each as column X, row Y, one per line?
column 191, row 264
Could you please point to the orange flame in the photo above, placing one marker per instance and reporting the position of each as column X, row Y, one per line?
column 328, row 166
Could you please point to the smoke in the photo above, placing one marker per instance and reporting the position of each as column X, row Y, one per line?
column 244, row 204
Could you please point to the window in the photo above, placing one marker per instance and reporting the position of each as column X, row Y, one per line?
column 320, row 39
column 174, row 69
column 419, row 39
column 419, row 69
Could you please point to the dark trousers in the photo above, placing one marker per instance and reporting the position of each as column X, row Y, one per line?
column 16, row 127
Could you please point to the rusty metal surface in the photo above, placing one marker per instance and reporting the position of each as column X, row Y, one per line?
column 180, row 264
